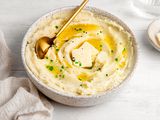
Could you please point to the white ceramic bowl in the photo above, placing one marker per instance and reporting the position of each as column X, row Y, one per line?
column 70, row 99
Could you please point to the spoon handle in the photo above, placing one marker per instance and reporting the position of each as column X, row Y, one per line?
column 72, row 17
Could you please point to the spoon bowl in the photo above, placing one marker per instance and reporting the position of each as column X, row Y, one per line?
column 42, row 46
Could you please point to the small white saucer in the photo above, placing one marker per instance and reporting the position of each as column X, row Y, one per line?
column 153, row 29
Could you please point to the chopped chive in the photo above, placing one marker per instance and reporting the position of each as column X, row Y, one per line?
column 46, row 57
column 51, row 60
column 62, row 67
column 98, row 69
column 89, row 80
column 76, row 62
column 56, row 27
column 100, row 45
column 63, row 76
column 116, row 59
column 56, row 76
column 83, row 31
column 57, row 49
column 84, row 85
column 50, row 67
column 75, row 29
column 112, row 51
column 106, row 74
column 100, row 31
column 80, row 29
column 80, row 64
column 124, row 49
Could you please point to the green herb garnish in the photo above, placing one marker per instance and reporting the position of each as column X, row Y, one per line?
column 63, row 76
column 56, row 27
column 107, row 75
column 50, row 67
column 57, row 49
column 112, row 51
column 62, row 67
column 76, row 62
column 116, row 59
column 84, row 85
column 80, row 64
column 98, row 69
column 80, row 29
column 89, row 80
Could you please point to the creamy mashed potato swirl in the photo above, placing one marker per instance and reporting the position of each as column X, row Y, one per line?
column 92, row 55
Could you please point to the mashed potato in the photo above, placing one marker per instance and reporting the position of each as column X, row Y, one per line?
column 92, row 55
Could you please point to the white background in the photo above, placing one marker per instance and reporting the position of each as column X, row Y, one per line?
column 140, row 97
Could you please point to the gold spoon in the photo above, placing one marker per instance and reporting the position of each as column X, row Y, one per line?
column 44, row 43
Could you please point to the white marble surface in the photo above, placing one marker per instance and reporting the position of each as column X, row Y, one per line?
column 140, row 97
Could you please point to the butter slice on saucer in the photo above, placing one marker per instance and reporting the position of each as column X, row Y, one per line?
column 158, row 37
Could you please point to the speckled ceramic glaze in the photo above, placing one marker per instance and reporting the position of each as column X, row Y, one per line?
column 71, row 99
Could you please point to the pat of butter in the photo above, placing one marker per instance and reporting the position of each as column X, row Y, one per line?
column 102, row 57
column 158, row 37
column 85, row 55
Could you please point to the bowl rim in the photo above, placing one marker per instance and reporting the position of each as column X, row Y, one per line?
column 90, row 8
